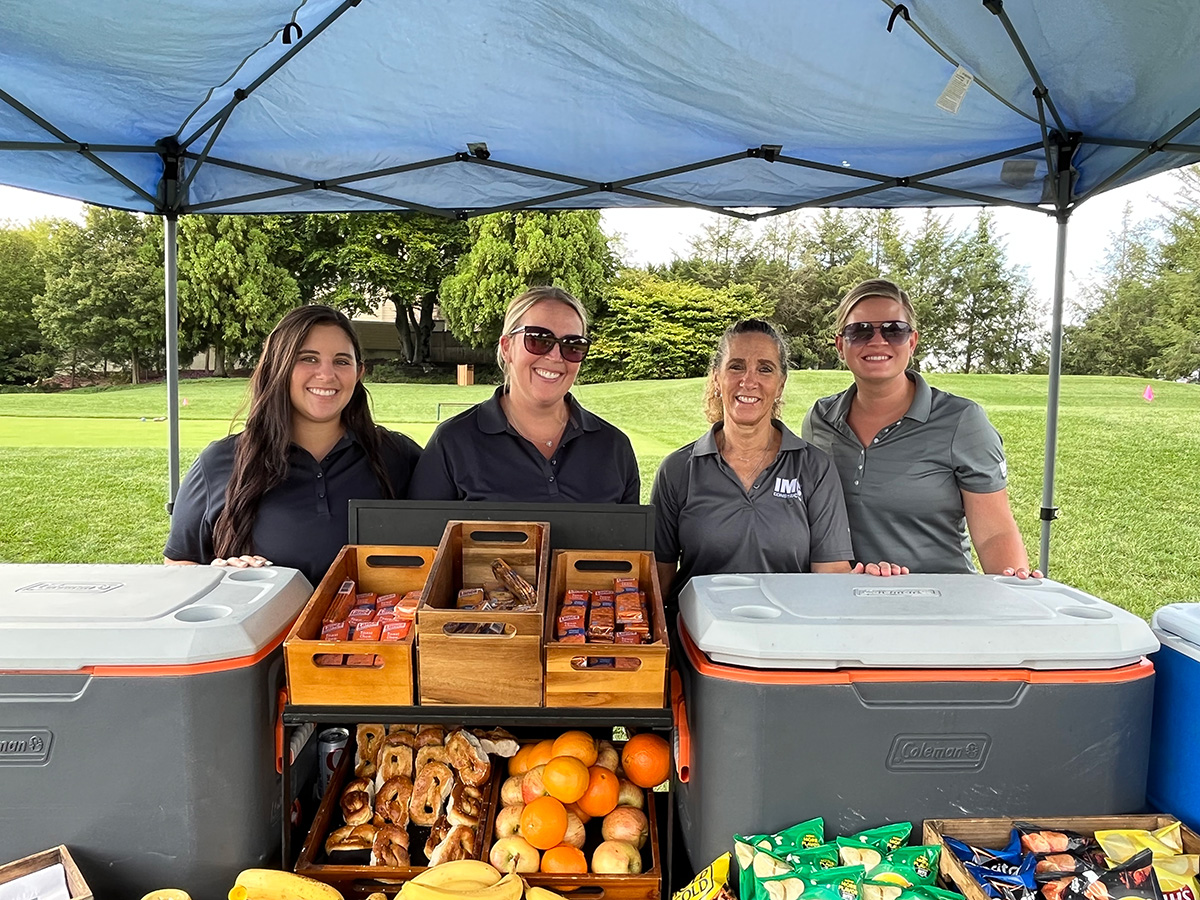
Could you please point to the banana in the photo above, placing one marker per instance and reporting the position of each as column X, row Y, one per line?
column 541, row 893
column 269, row 884
column 460, row 875
column 510, row 887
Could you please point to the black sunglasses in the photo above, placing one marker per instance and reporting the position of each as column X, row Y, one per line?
column 540, row 341
column 862, row 332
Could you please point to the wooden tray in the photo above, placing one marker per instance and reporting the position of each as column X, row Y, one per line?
column 996, row 832
column 483, row 669
column 379, row 568
column 360, row 878
column 570, row 684
column 76, row 886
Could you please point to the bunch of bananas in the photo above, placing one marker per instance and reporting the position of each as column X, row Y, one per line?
column 470, row 879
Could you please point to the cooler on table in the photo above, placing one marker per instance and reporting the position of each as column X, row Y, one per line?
column 872, row 700
column 137, row 720
column 1174, row 782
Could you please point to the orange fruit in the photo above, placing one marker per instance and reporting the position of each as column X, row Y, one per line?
column 578, row 744
column 565, row 778
column 564, row 858
column 544, row 823
column 574, row 808
column 600, row 798
column 646, row 759
column 519, row 764
column 542, row 753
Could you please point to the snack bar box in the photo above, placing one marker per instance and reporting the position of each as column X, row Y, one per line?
column 873, row 700
column 1174, row 782
column 138, row 709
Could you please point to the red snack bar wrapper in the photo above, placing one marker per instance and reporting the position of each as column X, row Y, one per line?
column 470, row 598
column 602, row 623
column 629, row 610
column 369, row 598
column 335, row 631
column 624, row 584
column 577, row 596
column 627, row 637
column 628, row 662
column 342, row 602
column 572, row 616
column 604, row 598
column 360, row 614
column 574, row 636
column 397, row 630
column 387, row 614
column 361, row 660
column 367, row 631
column 329, row 659
column 386, row 601
column 407, row 607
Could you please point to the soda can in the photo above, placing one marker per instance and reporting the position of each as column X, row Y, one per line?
column 331, row 744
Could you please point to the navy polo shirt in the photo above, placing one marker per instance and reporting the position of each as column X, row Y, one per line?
column 478, row 455
column 792, row 516
column 904, row 490
column 302, row 522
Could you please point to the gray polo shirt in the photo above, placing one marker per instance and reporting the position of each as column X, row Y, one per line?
column 709, row 523
column 904, row 491
column 478, row 455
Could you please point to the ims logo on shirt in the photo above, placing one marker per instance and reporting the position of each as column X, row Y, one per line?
column 788, row 489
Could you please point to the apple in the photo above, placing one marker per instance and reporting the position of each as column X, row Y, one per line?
column 532, row 785
column 574, row 808
column 615, row 858
column 515, row 854
column 508, row 820
column 631, row 795
column 607, row 756
column 626, row 823
column 576, row 833
column 510, row 791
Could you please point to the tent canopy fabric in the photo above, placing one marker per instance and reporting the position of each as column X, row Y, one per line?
column 376, row 104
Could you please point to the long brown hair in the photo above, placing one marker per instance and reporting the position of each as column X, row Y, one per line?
column 260, row 461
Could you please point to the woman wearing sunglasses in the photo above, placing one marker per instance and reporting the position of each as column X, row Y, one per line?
column 749, row 496
column 531, row 440
column 920, row 468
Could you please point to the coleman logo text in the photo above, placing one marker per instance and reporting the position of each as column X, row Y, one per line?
column 939, row 751
column 24, row 746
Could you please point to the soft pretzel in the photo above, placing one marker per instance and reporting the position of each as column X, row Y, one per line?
column 431, row 753
column 459, row 843
column 430, row 734
column 497, row 742
column 367, row 739
column 391, row 802
column 395, row 759
column 390, row 847
column 466, row 806
column 350, row 837
column 411, row 729
column 430, row 789
column 356, row 801
column 468, row 758
column 437, row 833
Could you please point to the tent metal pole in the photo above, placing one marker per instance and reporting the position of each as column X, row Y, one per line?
column 1049, row 512
column 171, row 267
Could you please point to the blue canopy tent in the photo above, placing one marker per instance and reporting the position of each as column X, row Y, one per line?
column 465, row 107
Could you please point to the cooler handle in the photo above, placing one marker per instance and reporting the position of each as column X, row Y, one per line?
column 682, row 738
column 280, row 702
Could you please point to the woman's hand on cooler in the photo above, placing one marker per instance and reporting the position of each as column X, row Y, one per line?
column 880, row 568
column 246, row 561
column 1022, row 572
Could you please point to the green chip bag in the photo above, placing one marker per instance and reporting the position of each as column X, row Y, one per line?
column 802, row 835
column 757, row 857
column 846, row 880
column 824, row 856
column 868, row 848
column 908, row 866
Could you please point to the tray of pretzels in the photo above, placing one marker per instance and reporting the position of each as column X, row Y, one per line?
column 407, row 797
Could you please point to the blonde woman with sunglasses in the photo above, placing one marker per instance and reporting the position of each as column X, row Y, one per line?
column 531, row 441
column 923, row 471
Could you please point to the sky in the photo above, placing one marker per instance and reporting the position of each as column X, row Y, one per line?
column 657, row 235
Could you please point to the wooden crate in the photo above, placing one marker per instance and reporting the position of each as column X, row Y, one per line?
column 361, row 878
column 76, row 886
column 379, row 568
column 568, row 683
column 483, row 669
column 996, row 832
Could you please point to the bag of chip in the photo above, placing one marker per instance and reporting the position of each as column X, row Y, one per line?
column 984, row 856
column 1120, row 844
column 907, row 866
column 757, row 857
column 868, row 848
column 839, row 883
column 1046, row 840
column 846, row 881
column 811, row 858
column 1018, row 885
column 1131, row 880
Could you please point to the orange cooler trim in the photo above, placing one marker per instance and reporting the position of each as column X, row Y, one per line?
column 709, row 669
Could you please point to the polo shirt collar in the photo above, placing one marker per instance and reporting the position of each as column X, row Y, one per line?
column 346, row 440
column 706, row 444
column 493, row 421
column 918, row 410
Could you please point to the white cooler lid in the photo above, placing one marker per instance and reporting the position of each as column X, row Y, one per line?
column 811, row 621
column 1178, row 625
column 66, row 617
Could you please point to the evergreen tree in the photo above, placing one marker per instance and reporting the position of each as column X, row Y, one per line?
column 25, row 354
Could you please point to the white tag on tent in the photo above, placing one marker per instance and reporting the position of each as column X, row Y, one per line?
column 956, row 89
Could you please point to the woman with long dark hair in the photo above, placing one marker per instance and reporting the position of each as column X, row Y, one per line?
column 279, row 490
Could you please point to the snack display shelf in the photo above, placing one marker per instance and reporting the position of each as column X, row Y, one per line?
column 506, row 716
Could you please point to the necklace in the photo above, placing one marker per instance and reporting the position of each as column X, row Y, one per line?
column 757, row 457
column 559, row 426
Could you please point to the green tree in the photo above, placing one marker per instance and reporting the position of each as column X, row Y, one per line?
column 929, row 281
column 511, row 252
column 656, row 328
column 103, row 296
column 25, row 355
column 1178, row 325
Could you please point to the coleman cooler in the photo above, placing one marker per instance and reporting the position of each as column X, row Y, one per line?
column 137, row 720
column 1174, row 782
column 873, row 700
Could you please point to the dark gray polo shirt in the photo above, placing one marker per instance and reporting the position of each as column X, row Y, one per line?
column 904, row 491
column 478, row 455
column 303, row 522
column 705, row 520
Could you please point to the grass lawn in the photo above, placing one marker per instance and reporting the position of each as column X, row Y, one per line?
column 84, row 472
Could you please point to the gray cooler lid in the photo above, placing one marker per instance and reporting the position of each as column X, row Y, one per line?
column 67, row 617
column 1178, row 626
column 812, row 621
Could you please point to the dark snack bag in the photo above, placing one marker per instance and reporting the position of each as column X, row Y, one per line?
column 1046, row 840
column 1005, row 859
column 1018, row 885
column 1131, row 880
